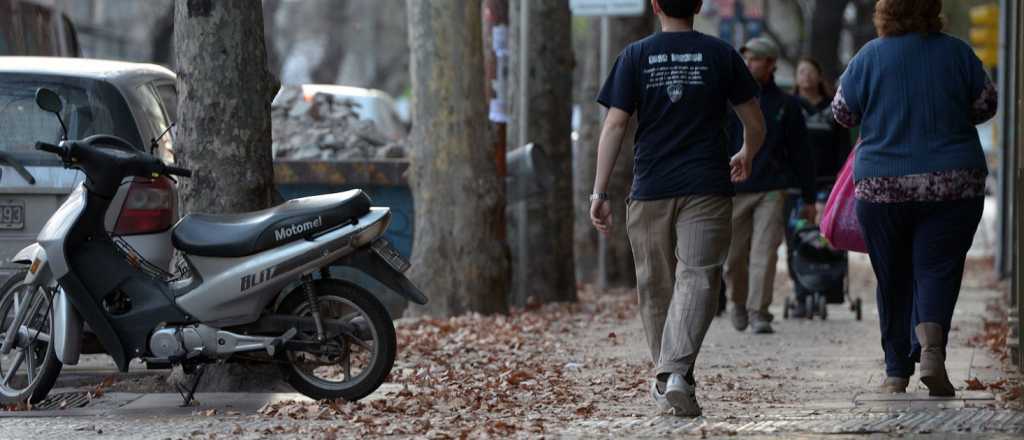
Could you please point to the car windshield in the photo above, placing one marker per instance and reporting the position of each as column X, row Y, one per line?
column 90, row 107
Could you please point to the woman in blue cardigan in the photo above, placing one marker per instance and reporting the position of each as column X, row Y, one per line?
column 917, row 94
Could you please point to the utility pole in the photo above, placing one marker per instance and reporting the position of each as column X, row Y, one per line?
column 495, row 20
column 602, row 240
column 522, row 214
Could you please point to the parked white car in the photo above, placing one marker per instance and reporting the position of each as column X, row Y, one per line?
column 133, row 101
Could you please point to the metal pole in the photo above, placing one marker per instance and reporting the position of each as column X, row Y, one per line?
column 495, row 19
column 1014, row 72
column 1004, row 128
column 602, row 241
column 522, row 215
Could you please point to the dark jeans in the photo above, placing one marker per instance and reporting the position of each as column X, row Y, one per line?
column 917, row 250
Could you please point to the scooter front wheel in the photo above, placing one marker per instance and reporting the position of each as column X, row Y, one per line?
column 346, row 366
column 30, row 368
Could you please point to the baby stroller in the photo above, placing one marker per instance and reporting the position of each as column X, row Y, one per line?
column 819, row 275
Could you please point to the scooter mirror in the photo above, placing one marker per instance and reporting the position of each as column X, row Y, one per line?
column 48, row 100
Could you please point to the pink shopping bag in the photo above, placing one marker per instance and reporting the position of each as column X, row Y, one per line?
column 839, row 222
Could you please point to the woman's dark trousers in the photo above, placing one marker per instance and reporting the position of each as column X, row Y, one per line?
column 917, row 250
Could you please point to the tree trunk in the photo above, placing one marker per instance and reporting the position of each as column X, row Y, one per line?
column 619, row 264
column 458, row 258
column 223, row 132
column 270, row 8
column 549, row 270
column 335, row 47
column 864, row 28
column 163, row 41
column 826, row 26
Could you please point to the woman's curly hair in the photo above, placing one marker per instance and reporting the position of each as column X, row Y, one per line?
column 899, row 17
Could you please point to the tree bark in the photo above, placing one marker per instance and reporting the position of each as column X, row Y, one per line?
column 223, row 132
column 549, row 269
column 458, row 258
column 619, row 264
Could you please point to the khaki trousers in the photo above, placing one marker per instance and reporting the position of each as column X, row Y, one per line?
column 679, row 246
column 757, row 231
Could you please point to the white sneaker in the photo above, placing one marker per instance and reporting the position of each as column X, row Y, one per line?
column 681, row 396
column 659, row 397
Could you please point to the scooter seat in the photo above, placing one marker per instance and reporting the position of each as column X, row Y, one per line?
column 240, row 235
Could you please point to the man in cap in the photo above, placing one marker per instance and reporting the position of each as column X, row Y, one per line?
column 758, row 218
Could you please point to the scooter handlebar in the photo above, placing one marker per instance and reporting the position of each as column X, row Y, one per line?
column 50, row 148
column 177, row 171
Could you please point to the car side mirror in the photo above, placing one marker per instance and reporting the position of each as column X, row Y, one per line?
column 48, row 100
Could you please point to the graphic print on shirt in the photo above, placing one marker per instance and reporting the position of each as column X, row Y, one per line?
column 674, row 72
column 821, row 120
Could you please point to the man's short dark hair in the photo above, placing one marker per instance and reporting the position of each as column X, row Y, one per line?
column 679, row 8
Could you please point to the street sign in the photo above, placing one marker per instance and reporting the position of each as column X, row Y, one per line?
column 606, row 8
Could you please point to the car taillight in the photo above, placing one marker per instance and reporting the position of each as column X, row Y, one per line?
column 148, row 208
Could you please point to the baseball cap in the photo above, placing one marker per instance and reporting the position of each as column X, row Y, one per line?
column 761, row 47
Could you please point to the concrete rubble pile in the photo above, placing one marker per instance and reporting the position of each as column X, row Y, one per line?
column 326, row 128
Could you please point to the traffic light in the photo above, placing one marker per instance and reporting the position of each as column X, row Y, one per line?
column 985, row 33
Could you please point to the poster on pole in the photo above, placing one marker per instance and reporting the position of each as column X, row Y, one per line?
column 607, row 8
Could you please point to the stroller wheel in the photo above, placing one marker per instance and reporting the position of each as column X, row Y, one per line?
column 822, row 308
column 785, row 308
column 858, row 309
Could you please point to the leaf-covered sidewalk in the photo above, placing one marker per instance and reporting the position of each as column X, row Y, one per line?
column 528, row 373
column 582, row 370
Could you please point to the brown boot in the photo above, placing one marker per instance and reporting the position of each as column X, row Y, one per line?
column 894, row 385
column 933, row 360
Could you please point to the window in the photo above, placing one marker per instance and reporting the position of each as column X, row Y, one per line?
column 153, row 112
column 90, row 107
column 169, row 95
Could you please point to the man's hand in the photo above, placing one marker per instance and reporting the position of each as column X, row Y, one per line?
column 809, row 212
column 740, row 165
column 601, row 216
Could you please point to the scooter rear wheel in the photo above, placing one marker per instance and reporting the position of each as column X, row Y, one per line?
column 349, row 367
column 29, row 370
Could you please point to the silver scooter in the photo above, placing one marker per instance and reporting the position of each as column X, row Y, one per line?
column 246, row 285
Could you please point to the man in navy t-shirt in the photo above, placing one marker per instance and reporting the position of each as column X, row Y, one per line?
column 680, row 84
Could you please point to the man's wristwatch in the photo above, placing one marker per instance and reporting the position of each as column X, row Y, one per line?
column 598, row 196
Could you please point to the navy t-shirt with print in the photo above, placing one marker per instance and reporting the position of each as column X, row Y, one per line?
column 679, row 84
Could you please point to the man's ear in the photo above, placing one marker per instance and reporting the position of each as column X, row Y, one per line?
column 700, row 5
column 655, row 7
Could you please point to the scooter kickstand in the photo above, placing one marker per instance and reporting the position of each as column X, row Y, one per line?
column 188, row 393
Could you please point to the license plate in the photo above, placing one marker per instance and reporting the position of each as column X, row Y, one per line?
column 391, row 256
column 12, row 214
